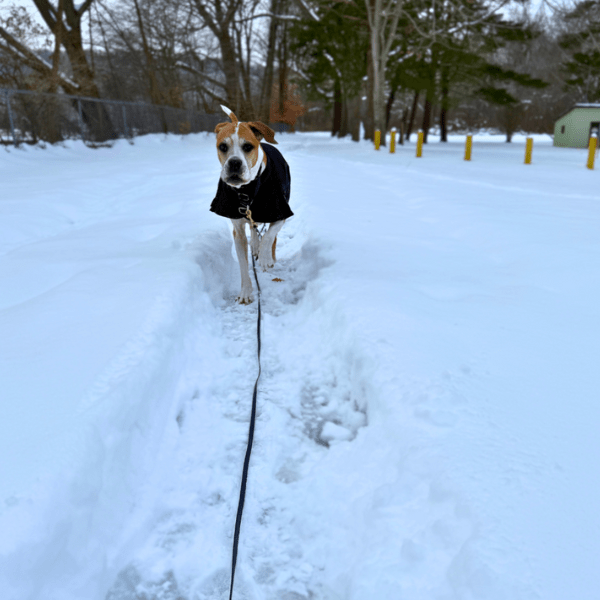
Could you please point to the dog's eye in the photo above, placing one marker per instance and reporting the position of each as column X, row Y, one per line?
column 223, row 147
column 247, row 147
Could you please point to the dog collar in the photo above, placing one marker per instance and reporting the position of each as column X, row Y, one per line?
column 245, row 200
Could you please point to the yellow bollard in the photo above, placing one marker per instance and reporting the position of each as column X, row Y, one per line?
column 592, row 152
column 468, row 146
column 528, row 150
column 420, row 144
column 377, row 139
column 393, row 141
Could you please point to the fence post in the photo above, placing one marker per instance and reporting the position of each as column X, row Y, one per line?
column 420, row 144
column 528, row 150
column 393, row 141
column 10, row 118
column 468, row 147
column 377, row 139
column 80, row 119
column 592, row 151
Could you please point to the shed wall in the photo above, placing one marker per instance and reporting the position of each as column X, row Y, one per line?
column 576, row 125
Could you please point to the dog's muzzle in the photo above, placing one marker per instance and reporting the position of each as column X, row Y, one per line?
column 235, row 170
column 234, row 165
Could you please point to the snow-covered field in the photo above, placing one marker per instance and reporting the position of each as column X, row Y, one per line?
column 429, row 412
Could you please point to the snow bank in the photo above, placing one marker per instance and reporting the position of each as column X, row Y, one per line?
column 427, row 420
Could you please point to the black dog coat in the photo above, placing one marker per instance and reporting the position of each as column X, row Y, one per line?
column 268, row 194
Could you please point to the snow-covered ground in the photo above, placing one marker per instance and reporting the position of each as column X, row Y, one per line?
column 429, row 412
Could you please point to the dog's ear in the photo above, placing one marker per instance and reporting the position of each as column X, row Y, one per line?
column 260, row 130
column 219, row 127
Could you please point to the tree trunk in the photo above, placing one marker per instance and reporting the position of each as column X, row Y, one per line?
column 337, row 107
column 95, row 115
column 354, row 117
column 218, row 19
column 283, row 70
column 71, row 39
column 48, row 110
column 268, row 76
column 230, row 70
column 444, row 110
column 403, row 125
column 413, row 114
column 343, row 132
column 368, row 115
column 443, row 125
column 53, row 87
column 155, row 91
column 248, row 107
column 156, row 95
column 113, row 73
column 383, row 24
column 388, row 108
column 426, row 115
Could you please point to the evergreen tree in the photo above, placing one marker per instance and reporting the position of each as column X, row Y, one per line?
column 451, row 54
column 581, row 40
column 331, row 58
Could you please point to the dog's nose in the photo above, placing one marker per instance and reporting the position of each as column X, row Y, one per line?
column 235, row 165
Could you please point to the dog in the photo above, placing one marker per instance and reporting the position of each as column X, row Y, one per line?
column 254, row 176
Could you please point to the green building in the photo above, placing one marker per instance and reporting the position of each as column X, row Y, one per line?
column 573, row 129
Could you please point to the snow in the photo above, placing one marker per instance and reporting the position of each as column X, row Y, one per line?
column 428, row 409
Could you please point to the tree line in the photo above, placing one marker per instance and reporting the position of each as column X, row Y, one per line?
column 438, row 65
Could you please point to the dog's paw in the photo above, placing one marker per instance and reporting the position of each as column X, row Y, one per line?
column 245, row 299
column 245, row 296
column 266, row 260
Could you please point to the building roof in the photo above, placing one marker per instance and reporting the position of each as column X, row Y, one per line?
column 580, row 105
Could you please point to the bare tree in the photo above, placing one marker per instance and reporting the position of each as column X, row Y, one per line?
column 21, row 64
column 264, row 104
column 64, row 21
column 147, row 39
column 383, row 16
column 219, row 16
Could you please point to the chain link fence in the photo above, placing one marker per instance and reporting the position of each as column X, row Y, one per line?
column 31, row 117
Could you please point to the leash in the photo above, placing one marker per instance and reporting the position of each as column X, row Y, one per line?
column 240, row 510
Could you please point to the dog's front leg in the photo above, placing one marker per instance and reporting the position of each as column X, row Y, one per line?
column 266, row 254
column 241, row 248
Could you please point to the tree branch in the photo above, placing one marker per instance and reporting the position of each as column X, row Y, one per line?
column 272, row 15
column 214, row 96
column 191, row 69
column 307, row 10
column 23, row 54
column 47, row 12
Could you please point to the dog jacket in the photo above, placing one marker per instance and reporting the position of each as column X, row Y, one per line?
column 268, row 194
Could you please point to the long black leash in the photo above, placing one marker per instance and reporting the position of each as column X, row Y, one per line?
column 240, row 510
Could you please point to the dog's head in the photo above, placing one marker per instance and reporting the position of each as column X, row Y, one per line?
column 239, row 150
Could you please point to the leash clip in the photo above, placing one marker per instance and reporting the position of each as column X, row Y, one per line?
column 249, row 217
column 244, row 209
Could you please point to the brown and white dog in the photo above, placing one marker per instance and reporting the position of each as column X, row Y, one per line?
column 251, row 175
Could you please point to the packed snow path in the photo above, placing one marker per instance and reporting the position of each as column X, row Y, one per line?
column 428, row 411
